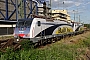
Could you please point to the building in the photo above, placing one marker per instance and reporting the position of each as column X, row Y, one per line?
column 43, row 9
column 60, row 15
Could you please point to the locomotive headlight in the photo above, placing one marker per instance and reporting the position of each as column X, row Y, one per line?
column 17, row 39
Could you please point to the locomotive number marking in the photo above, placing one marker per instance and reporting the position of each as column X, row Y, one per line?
column 21, row 32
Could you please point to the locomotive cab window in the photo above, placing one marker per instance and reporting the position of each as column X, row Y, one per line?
column 39, row 23
column 24, row 23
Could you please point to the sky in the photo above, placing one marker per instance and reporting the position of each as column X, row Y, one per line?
column 80, row 8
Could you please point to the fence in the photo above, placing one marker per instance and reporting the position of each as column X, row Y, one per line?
column 6, row 30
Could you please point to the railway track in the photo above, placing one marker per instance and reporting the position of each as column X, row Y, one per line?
column 9, row 43
column 12, row 43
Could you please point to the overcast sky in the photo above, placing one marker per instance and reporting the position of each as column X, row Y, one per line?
column 81, row 8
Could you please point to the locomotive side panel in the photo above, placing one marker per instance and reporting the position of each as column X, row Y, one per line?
column 42, row 29
column 63, row 29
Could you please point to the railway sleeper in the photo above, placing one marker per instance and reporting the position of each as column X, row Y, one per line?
column 8, row 43
column 16, row 46
column 1, row 41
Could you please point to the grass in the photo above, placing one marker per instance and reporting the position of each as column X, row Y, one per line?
column 6, row 37
column 55, row 51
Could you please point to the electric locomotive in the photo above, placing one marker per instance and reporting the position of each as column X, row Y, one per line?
column 36, row 27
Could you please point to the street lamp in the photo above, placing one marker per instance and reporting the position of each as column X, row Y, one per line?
column 74, row 14
column 63, row 5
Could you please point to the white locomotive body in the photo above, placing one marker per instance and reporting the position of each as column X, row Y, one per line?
column 36, row 27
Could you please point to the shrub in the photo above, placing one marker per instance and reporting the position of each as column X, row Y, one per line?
column 26, row 44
